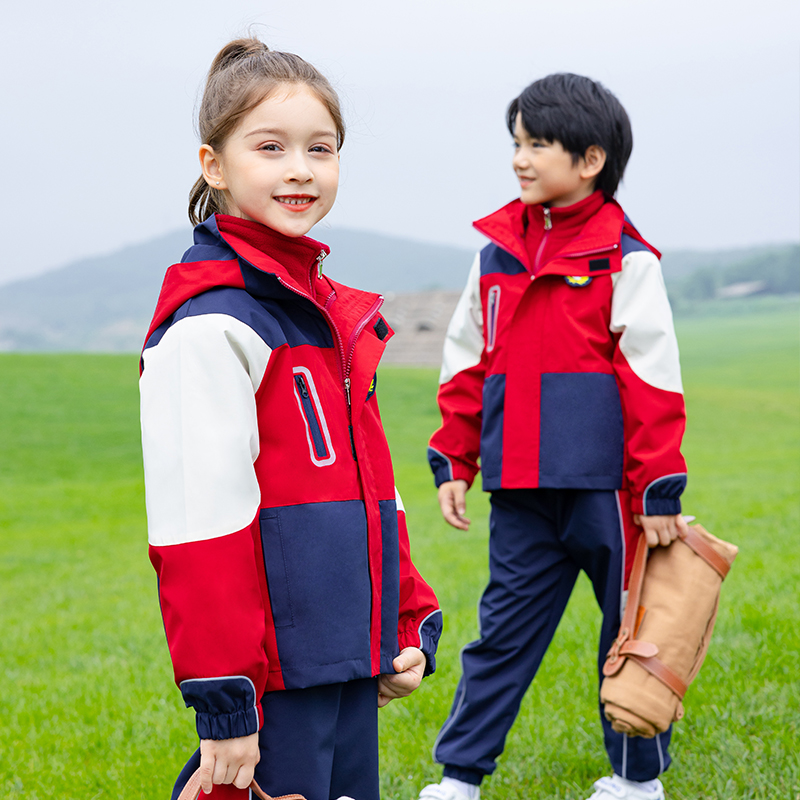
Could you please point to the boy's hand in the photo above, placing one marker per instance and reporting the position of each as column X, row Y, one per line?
column 453, row 502
column 410, row 666
column 661, row 529
column 228, row 761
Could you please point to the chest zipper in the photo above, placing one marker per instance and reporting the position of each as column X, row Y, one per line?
column 345, row 355
column 548, row 226
column 350, row 417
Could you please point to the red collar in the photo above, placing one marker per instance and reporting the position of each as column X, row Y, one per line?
column 506, row 227
column 293, row 258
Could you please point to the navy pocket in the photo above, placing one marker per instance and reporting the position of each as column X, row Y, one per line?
column 317, row 566
column 581, row 431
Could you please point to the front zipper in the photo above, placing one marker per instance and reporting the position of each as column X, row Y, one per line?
column 345, row 356
column 350, row 416
column 548, row 226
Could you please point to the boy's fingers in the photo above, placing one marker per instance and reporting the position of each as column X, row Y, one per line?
column 206, row 773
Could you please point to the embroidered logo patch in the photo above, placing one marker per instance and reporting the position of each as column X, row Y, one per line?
column 373, row 385
column 578, row 280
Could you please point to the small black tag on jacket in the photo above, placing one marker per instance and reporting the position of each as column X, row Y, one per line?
column 382, row 329
column 596, row 264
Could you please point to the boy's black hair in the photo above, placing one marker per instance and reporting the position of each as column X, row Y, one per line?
column 577, row 112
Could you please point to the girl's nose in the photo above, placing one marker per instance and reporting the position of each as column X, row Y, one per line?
column 298, row 169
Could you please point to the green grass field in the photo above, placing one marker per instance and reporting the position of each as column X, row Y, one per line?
column 88, row 709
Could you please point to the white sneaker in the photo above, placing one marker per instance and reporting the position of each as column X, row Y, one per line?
column 450, row 789
column 616, row 788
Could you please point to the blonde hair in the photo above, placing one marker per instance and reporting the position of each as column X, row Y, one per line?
column 243, row 74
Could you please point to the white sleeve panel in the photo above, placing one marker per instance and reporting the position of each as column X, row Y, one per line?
column 640, row 311
column 463, row 344
column 199, row 428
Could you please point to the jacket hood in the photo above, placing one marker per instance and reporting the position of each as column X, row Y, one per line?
column 229, row 251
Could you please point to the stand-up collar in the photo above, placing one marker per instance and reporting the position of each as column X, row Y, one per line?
column 293, row 258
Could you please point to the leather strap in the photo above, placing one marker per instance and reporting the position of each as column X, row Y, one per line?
column 703, row 549
column 627, row 628
column 191, row 791
column 658, row 669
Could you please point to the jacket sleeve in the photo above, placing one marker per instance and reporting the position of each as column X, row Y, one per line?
column 200, row 441
column 420, row 619
column 454, row 448
column 647, row 369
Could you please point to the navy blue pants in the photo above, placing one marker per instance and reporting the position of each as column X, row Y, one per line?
column 539, row 541
column 320, row 742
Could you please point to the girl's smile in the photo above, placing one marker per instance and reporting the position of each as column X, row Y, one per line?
column 280, row 166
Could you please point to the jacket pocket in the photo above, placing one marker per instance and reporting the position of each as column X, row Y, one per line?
column 581, row 437
column 492, row 317
column 317, row 566
column 317, row 434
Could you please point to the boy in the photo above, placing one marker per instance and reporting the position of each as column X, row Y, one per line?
column 561, row 371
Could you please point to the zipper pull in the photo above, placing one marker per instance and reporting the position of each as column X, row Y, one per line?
column 320, row 259
column 301, row 385
column 548, row 223
column 347, row 390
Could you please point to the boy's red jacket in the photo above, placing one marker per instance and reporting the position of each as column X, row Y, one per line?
column 564, row 374
column 275, row 528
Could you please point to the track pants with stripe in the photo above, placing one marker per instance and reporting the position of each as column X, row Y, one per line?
column 540, row 539
column 320, row 742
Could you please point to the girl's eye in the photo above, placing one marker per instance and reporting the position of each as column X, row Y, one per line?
column 321, row 148
column 271, row 147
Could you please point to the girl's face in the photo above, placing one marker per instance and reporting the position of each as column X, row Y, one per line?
column 280, row 167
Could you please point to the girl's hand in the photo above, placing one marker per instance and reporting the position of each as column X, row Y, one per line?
column 228, row 761
column 410, row 666
column 453, row 502
column 661, row 529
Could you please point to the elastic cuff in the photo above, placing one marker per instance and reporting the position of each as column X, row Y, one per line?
column 445, row 469
column 426, row 638
column 227, row 726
column 226, row 706
column 471, row 776
column 663, row 506
column 663, row 495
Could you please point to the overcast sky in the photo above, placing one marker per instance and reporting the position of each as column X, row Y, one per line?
column 98, row 98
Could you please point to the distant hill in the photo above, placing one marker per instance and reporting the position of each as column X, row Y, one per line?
column 104, row 304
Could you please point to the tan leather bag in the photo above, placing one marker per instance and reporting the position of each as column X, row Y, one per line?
column 673, row 595
column 192, row 791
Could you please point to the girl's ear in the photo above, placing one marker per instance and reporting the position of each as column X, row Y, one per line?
column 212, row 168
column 594, row 159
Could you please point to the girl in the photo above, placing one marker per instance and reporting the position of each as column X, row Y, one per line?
column 291, row 605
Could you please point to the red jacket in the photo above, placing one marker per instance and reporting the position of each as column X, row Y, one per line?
column 569, row 377
column 275, row 528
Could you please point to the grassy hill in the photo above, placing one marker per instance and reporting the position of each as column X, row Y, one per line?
column 88, row 706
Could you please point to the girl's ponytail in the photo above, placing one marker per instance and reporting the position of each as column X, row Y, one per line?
column 243, row 74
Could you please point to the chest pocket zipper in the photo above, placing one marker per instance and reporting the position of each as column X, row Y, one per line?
column 318, row 436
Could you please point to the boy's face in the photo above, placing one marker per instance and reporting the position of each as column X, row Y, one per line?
column 546, row 172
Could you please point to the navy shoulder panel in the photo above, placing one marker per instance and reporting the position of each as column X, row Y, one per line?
column 495, row 259
column 631, row 245
column 271, row 319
